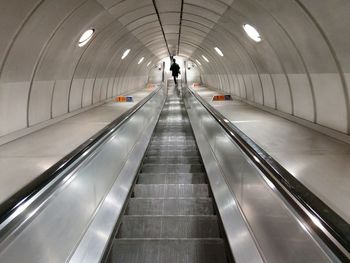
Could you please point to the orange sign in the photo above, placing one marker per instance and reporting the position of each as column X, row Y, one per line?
column 222, row 97
column 124, row 99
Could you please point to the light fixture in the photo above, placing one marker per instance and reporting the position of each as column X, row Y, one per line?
column 252, row 32
column 126, row 52
column 219, row 51
column 198, row 62
column 140, row 61
column 149, row 63
column 86, row 37
column 205, row 58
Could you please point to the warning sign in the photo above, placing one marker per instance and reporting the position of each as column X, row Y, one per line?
column 124, row 99
column 222, row 97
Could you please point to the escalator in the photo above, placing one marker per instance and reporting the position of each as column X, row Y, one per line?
column 139, row 192
column 171, row 215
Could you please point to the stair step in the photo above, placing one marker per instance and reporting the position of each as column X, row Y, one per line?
column 168, row 250
column 172, row 153
column 178, row 121
column 179, row 178
column 161, row 131
column 174, row 143
column 171, row 190
column 172, row 147
column 173, row 111
column 169, row 227
column 173, row 159
column 172, row 138
column 170, row 206
column 171, row 133
column 172, row 168
column 174, row 122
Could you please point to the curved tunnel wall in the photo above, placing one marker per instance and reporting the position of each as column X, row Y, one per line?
column 301, row 67
column 45, row 74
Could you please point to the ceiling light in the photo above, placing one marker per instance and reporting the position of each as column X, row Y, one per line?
column 252, row 32
column 219, row 51
column 140, row 61
column 126, row 52
column 86, row 37
column 198, row 62
column 149, row 63
column 205, row 58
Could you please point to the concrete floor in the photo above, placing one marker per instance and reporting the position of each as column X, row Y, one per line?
column 320, row 162
column 22, row 160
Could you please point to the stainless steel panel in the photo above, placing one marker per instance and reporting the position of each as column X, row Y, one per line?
column 240, row 239
column 93, row 244
column 54, row 229
column 279, row 234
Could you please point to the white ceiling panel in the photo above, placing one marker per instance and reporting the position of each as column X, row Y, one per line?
column 170, row 18
column 169, row 5
column 171, row 28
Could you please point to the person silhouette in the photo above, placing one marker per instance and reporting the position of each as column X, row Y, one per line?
column 175, row 68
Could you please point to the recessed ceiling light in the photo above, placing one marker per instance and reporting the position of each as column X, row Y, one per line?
column 126, row 52
column 86, row 37
column 205, row 58
column 140, row 61
column 198, row 62
column 252, row 32
column 219, row 51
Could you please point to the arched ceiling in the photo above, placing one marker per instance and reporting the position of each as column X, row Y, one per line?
column 300, row 68
column 179, row 20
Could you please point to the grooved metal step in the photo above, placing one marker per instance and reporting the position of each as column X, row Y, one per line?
column 172, row 168
column 174, row 143
column 172, row 139
column 169, row 227
column 179, row 178
column 172, row 159
column 171, row 133
column 171, row 190
column 170, row 206
column 168, row 251
column 173, row 129
column 172, row 153
column 172, row 147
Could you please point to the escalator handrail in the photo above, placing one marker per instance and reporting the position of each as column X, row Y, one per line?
column 10, row 206
column 330, row 227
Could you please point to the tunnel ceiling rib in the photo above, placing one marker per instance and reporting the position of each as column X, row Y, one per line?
column 161, row 26
column 171, row 16
column 133, row 14
column 180, row 28
column 197, row 10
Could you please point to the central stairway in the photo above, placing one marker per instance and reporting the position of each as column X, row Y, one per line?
column 170, row 216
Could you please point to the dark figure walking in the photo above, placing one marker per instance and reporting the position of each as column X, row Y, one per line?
column 175, row 68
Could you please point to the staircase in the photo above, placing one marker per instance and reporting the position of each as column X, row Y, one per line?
column 170, row 216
